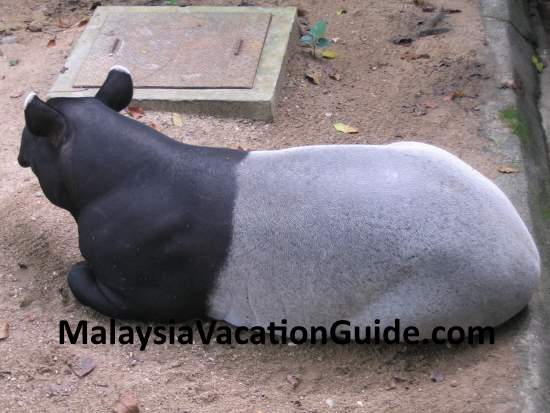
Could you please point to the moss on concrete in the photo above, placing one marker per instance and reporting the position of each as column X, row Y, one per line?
column 514, row 119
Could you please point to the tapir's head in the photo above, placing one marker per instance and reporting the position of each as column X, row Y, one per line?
column 51, row 127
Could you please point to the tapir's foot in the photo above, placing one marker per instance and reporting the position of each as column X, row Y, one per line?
column 89, row 292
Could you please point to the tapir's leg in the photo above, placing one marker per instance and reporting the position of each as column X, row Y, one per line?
column 89, row 292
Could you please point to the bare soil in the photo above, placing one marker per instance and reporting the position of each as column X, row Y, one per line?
column 387, row 96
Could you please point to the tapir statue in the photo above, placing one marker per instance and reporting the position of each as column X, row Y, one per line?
column 308, row 234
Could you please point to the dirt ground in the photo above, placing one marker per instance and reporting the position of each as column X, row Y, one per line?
column 383, row 92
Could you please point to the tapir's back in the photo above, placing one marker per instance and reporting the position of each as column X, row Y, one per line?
column 362, row 232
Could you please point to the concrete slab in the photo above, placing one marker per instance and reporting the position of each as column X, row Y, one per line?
column 233, row 69
column 177, row 50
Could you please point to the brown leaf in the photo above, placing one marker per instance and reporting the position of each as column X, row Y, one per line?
column 154, row 126
column 85, row 367
column 313, row 77
column 505, row 169
column 136, row 111
column 126, row 403
column 450, row 11
column 293, row 380
column 51, row 42
column 454, row 95
column 4, row 330
column 83, row 22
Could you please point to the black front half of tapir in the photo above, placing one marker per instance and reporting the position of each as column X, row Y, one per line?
column 154, row 215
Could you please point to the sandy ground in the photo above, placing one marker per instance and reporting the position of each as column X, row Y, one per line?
column 386, row 96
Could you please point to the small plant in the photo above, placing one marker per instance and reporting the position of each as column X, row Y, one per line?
column 315, row 38
column 172, row 2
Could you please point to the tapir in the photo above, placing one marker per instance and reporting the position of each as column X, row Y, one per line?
column 315, row 234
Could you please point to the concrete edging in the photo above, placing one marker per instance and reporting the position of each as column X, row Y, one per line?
column 514, row 36
column 257, row 103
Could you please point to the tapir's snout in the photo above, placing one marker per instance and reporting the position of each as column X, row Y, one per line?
column 22, row 161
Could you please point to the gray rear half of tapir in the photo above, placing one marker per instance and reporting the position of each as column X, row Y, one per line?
column 360, row 233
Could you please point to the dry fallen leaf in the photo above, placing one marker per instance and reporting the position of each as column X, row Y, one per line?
column 17, row 94
column 329, row 54
column 414, row 56
column 126, row 403
column 450, row 11
column 313, row 77
column 511, row 84
column 341, row 11
column 136, row 111
column 454, row 95
column 83, row 22
column 85, row 367
column 342, row 127
column 4, row 330
column 505, row 169
column 51, row 42
column 154, row 126
column 177, row 120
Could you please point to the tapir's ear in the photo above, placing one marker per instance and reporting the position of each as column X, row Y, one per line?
column 44, row 121
column 118, row 89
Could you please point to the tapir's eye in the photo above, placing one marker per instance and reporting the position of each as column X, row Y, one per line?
column 118, row 89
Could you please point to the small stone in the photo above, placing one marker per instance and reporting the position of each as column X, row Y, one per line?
column 293, row 380
column 35, row 26
column 360, row 403
column 437, row 377
column 84, row 367
column 454, row 383
column 8, row 40
column 4, row 330
column 126, row 403
column 330, row 403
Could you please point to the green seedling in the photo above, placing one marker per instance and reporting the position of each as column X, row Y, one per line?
column 172, row 2
column 539, row 65
column 315, row 38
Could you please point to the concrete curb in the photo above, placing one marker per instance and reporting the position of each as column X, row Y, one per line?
column 513, row 34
